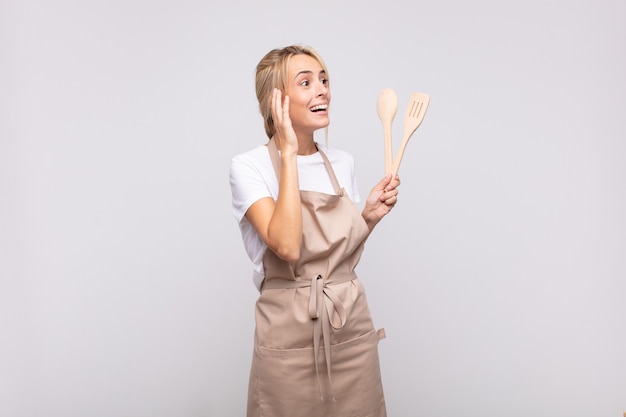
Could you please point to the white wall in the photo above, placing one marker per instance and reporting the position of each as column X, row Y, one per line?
column 499, row 277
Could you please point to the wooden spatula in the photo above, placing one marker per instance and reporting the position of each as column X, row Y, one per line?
column 413, row 117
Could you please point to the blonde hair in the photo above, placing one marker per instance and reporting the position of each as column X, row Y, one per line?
column 271, row 72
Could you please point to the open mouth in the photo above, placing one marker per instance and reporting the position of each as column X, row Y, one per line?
column 318, row 108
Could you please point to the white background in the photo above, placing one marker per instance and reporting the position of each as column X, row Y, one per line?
column 499, row 277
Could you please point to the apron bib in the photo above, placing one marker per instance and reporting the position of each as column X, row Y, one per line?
column 315, row 346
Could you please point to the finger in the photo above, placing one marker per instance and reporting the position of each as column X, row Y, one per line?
column 277, row 106
column 394, row 183
column 386, row 195
column 384, row 183
column 286, row 108
column 391, row 201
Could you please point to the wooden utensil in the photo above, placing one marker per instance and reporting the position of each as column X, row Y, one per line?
column 387, row 108
column 413, row 117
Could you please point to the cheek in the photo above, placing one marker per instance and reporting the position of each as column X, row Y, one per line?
column 295, row 112
column 297, row 106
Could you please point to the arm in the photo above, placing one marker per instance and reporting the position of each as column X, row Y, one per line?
column 279, row 223
column 381, row 200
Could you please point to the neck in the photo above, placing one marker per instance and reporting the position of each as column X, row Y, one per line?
column 308, row 148
column 305, row 147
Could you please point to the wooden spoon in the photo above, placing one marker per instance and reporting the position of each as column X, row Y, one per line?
column 387, row 108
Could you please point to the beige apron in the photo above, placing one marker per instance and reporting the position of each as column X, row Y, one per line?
column 316, row 349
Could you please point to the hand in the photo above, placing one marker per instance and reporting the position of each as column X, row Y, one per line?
column 381, row 200
column 285, row 136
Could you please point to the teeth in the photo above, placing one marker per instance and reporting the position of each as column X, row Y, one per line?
column 320, row 107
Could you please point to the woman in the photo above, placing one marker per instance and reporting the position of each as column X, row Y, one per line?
column 315, row 347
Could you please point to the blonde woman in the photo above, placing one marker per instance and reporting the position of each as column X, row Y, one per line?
column 315, row 345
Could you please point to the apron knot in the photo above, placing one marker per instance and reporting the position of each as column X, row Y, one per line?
column 317, row 284
column 324, row 304
column 326, row 311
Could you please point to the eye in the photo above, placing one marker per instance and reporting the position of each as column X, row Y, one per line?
column 325, row 81
column 305, row 83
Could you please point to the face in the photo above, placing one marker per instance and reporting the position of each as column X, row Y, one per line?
column 309, row 94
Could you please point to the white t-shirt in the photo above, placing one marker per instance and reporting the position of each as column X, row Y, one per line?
column 252, row 178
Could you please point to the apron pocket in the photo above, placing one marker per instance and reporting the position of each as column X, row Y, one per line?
column 284, row 381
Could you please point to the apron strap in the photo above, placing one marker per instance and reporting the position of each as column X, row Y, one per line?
column 273, row 151
column 331, row 173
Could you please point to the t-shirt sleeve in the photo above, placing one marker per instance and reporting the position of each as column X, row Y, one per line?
column 355, row 187
column 247, row 185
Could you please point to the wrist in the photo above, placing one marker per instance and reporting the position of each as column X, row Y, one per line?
column 288, row 151
column 370, row 219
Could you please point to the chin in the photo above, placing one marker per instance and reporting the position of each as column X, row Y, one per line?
column 324, row 123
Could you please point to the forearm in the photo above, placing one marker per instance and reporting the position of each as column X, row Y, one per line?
column 285, row 227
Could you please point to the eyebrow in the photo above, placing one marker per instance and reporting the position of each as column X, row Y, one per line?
column 322, row 72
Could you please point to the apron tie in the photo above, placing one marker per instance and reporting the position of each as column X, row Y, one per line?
column 322, row 302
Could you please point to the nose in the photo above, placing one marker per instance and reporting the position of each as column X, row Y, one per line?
column 322, row 89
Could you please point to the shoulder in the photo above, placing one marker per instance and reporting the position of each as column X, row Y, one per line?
column 254, row 160
column 255, row 155
column 252, row 177
column 252, row 168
